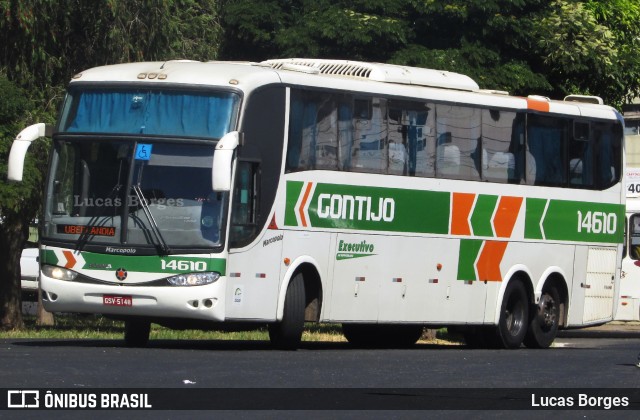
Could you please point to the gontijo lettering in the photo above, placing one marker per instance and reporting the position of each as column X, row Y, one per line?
column 349, row 207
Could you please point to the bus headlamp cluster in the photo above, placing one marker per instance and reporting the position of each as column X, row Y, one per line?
column 193, row 279
column 59, row 273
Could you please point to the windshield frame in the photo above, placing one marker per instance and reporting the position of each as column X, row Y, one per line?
column 120, row 247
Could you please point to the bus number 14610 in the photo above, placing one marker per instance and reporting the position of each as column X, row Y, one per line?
column 597, row 222
column 182, row 265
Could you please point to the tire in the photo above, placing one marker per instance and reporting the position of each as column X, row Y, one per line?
column 287, row 334
column 136, row 332
column 514, row 316
column 545, row 320
column 382, row 335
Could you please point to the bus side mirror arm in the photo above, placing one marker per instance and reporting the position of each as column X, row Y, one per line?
column 223, row 161
column 19, row 148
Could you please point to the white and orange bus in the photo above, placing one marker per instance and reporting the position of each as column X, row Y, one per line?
column 381, row 197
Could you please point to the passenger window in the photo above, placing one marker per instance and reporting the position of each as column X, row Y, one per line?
column 546, row 140
column 370, row 139
column 458, row 150
column 500, row 146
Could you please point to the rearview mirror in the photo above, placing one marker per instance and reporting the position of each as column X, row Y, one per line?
column 19, row 148
column 223, row 161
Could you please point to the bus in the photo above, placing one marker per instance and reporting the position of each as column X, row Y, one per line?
column 628, row 308
column 380, row 197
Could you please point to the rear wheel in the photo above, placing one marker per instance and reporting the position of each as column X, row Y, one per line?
column 287, row 334
column 136, row 332
column 545, row 320
column 514, row 316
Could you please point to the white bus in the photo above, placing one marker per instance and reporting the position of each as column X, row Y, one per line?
column 384, row 198
column 628, row 308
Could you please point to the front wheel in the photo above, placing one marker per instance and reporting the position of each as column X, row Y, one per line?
column 514, row 316
column 287, row 334
column 136, row 332
column 545, row 320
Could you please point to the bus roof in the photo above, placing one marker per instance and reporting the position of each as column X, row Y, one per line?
column 385, row 79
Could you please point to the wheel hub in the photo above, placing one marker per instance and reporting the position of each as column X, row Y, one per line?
column 547, row 311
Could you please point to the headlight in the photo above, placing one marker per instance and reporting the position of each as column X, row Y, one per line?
column 59, row 273
column 193, row 279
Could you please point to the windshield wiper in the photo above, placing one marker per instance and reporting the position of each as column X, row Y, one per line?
column 162, row 244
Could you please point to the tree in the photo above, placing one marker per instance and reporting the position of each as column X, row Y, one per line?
column 543, row 47
column 45, row 43
column 19, row 203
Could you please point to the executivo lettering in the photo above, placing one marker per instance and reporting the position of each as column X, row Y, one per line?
column 350, row 250
column 349, row 207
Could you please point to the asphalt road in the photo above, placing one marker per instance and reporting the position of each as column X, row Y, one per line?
column 330, row 373
column 589, row 360
column 596, row 359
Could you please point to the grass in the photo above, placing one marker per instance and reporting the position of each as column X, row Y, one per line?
column 96, row 327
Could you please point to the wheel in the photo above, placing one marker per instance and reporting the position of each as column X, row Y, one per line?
column 287, row 334
column 136, row 332
column 514, row 316
column 382, row 335
column 545, row 319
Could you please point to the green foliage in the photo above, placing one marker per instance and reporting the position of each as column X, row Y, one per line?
column 16, row 198
column 45, row 42
column 541, row 47
column 313, row 28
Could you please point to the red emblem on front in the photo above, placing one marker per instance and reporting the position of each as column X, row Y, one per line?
column 121, row 274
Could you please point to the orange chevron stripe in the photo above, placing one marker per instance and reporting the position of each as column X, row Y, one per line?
column 462, row 205
column 71, row 260
column 506, row 215
column 488, row 264
column 303, row 203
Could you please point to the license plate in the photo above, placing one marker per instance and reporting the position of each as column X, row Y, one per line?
column 111, row 300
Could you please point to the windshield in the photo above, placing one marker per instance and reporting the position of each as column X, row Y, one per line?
column 149, row 112
column 125, row 193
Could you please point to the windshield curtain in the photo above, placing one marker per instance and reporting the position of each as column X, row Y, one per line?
column 166, row 113
column 149, row 194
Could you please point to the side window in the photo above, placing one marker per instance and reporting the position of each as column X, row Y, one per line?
column 369, row 152
column 634, row 237
column 411, row 139
column 458, row 149
column 608, row 144
column 581, row 156
column 315, row 123
column 303, row 130
column 500, row 146
column 244, row 211
column 546, row 141
column 326, row 145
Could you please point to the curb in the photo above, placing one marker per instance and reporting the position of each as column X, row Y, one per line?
column 614, row 329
